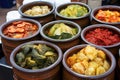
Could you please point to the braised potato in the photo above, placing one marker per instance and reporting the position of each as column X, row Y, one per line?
column 72, row 60
column 89, row 61
column 78, row 67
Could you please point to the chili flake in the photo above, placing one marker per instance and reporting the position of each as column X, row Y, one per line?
column 102, row 36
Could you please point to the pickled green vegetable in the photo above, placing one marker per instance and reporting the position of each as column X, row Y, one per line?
column 61, row 31
column 74, row 11
column 35, row 56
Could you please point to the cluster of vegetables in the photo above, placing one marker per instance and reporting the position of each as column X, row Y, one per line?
column 37, row 10
column 89, row 61
column 74, row 11
column 61, row 31
column 108, row 16
column 35, row 56
column 20, row 29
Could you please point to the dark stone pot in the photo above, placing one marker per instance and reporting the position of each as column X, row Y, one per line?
column 69, row 74
column 43, row 19
column 8, row 43
column 83, row 21
column 51, row 72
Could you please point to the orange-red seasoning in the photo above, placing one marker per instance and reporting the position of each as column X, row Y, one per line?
column 20, row 29
column 102, row 36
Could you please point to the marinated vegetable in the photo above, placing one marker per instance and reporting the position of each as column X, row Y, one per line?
column 74, row 11
column 89, row 61
column 61, row 31
column 20, row 29
column 37, row 10
column 102, row 36
column 35, row 56
column 108, row 16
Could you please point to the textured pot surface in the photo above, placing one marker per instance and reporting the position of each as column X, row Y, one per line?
column 113, row 48
column 8, row 43
column 64, row 44
column 83, row 21
column 108, row 7
column 51, row 72
column 69, row 74
column 43, row 19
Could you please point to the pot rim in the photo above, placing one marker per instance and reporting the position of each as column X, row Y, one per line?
column 104, row 7
column 37, row 2
column 99, row 26
column 22, row 19
column 37, row 70
column 70, row 3
column 60, row 40
column 109, row 54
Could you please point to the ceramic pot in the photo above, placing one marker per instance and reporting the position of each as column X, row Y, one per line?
column 51, row 72
column 45, row 18
column 83, row 21
column 8, row 43
column 94, row 20
column 113, row 48
column 69, row 74
column 64, row 44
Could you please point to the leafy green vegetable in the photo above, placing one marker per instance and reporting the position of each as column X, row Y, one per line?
column 20, row 57
column 62, row 36
column 35, row 56
column 62, row 31
column 74, row 11
column 30, row 62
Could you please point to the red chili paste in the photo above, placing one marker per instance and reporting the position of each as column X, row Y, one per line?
column 102, row 36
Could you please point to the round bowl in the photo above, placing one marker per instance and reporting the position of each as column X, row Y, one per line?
column 8, row 43
column 113, row 47
column 108, row 7
column 83, row 21
column 64, row 44
column 69, row 74
column 48, row 73
column 41, row 18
